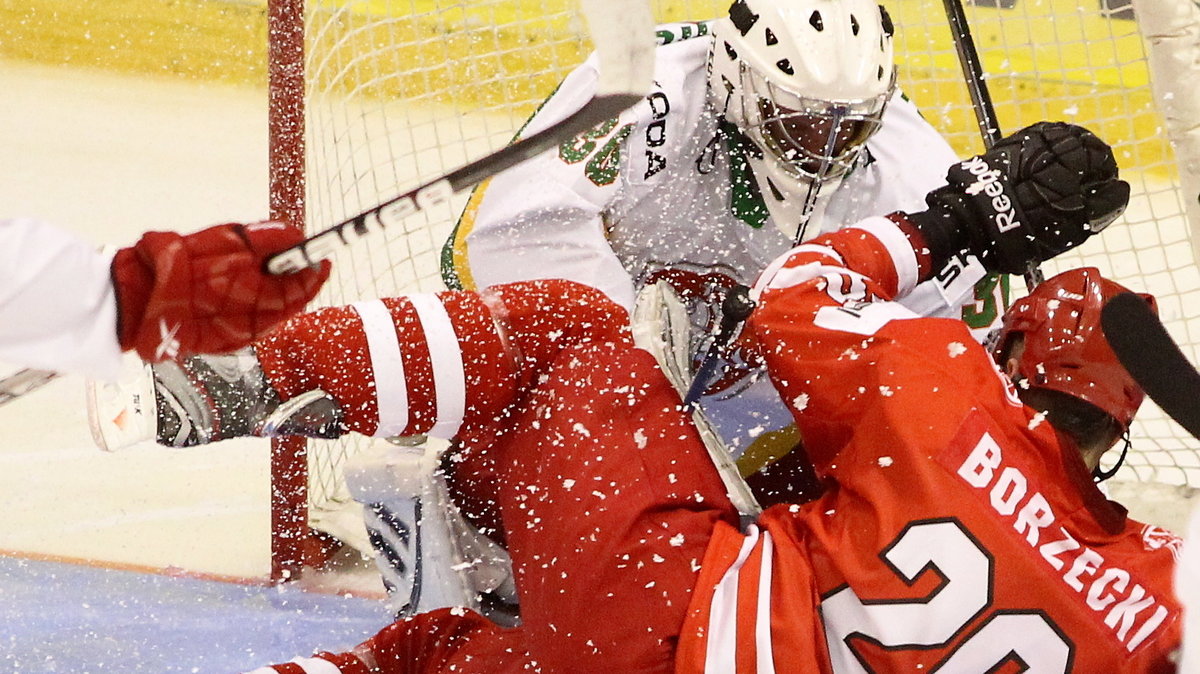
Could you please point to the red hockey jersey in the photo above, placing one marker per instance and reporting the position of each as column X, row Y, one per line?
column 959, row 532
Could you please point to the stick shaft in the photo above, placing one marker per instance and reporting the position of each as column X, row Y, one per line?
column 622, row 32
column 1153, row 359
column 325, row 243
column 981, row 98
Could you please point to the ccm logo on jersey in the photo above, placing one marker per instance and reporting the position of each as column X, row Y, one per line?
column 1130, row 612
column 987, row 181
column 656, row 132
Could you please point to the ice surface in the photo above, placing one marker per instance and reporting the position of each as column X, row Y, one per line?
column 70, row 618
column 109, row 157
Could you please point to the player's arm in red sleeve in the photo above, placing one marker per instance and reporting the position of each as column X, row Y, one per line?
column 824, row 308
column 820, row 312
column 438, row 364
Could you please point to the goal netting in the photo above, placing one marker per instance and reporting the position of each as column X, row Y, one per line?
column 398, row 92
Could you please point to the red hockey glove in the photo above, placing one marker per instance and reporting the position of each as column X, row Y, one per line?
column 1037, row 193
column 206, row 292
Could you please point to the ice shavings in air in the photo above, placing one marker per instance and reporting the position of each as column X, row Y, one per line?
column 639, row 437
column 800, row 402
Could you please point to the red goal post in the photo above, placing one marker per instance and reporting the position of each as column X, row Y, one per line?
column 285, row 105
column 384, row 96
column 369, row 97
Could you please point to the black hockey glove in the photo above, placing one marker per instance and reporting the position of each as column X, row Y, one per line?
column 1037, row 193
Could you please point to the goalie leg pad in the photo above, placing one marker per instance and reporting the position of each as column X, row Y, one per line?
column 426, row 553
column 660, row 327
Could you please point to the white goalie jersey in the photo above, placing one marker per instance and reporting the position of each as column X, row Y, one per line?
column 666, row 192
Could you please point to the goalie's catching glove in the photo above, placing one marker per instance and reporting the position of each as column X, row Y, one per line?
column 1037, row 193
column 206, row 292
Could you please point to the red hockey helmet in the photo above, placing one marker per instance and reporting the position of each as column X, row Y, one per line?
column 1065, row 350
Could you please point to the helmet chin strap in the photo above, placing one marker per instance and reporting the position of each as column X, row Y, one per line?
column 1101, row 475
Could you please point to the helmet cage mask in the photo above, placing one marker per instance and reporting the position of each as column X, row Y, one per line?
column 804, row 81
column 810, row 139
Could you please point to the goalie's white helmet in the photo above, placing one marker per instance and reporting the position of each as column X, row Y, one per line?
column 806, row 80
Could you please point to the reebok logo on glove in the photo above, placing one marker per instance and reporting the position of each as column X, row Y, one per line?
column 987, row 182
column 1031, row 196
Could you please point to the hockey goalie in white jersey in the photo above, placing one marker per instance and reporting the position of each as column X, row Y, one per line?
column 764, row 128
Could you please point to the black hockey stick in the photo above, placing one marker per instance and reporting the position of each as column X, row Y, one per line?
column 981, row 98
column 735, row 309
column 1154, row 360
column 623, row 34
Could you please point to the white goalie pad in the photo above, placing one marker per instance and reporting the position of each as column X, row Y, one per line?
column 426, row 552
column 1171, row 30
column 661, row 326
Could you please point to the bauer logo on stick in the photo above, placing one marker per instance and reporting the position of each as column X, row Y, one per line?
column 325, row 244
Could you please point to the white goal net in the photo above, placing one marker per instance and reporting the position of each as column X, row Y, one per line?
column 399, row 92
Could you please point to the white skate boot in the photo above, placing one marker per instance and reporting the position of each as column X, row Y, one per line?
column 123, row 413
column 201, row 399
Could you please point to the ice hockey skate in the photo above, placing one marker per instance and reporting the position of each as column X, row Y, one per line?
column 122, row 413
column 201, row 399
column 427, row 554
